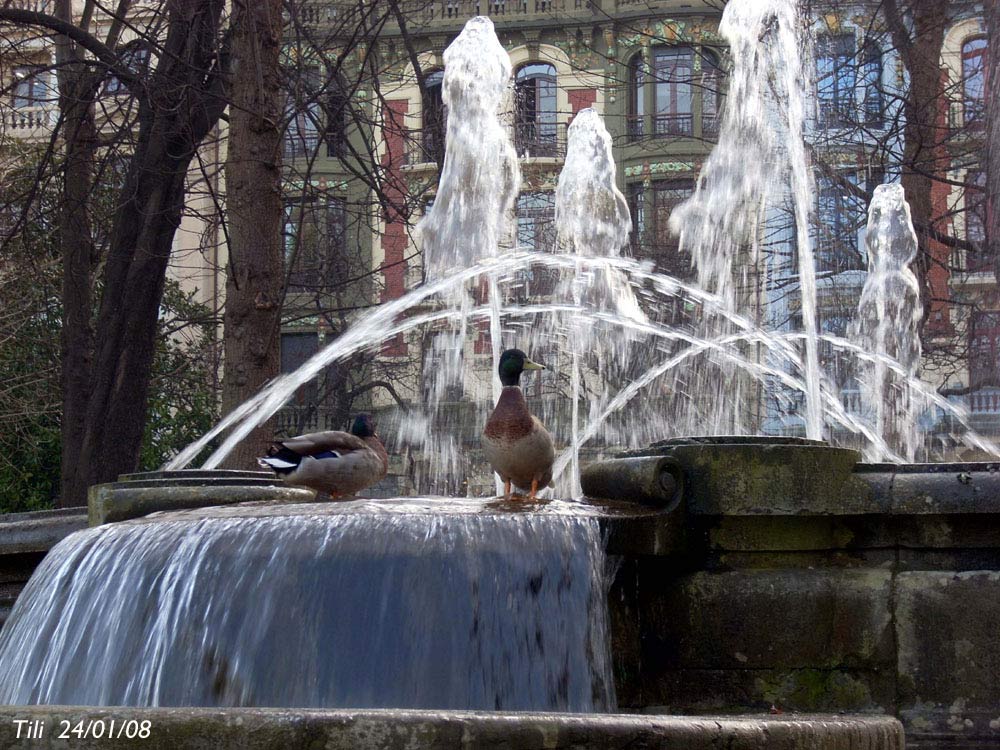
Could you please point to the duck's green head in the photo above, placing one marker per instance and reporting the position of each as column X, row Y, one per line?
column 363, row 426
column 512, row 363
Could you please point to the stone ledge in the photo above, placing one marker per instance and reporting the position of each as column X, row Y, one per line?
column 257, row 729
column 38, row 531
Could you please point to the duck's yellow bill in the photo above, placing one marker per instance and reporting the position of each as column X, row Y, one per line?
column 529, row 365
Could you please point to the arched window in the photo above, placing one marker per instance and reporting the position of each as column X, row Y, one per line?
column 673, row 70
column 974, row 81
column 535, row 127
column 435, row 117
column 871, row 78
column 636, row 96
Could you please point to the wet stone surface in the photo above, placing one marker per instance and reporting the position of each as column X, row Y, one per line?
column 271, row 729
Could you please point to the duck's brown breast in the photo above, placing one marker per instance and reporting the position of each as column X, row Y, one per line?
column 511, row 418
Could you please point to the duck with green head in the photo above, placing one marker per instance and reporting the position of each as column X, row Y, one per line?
column 518, row 447
column 338, row 463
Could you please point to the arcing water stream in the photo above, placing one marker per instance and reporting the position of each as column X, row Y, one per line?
column 620, row 373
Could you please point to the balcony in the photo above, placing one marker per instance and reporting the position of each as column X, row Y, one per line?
column 424, row 146
column 533, row 140
column 967, row 119
column 421, row 13
column 498, row 10
column 26, row 122
column 673, row 125
column 299, row 145
column 710, row 126
column 36, row 6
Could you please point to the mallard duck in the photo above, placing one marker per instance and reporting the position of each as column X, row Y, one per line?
column 339, row 463
column 517, row 446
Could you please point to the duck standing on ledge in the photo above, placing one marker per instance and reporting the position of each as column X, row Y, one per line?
column 518, row 447
column 339, row 463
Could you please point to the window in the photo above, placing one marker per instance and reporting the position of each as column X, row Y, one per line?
column 840, row 215
column 975, row 223
column 296, row 349
column 636, row 198
column 636, row 97
column 835, row 80
column 974, row 81
column 661, row 245
column 665, row 86
column 535, row 128
column 673, row 70
column 315, row 248
column 984, row 349
column 435, row 118
column 536, row 230
column 303, row 113
column 135, row 57
column 335, row 135
column 31, row 86
column 873, row 106
column 711, row 94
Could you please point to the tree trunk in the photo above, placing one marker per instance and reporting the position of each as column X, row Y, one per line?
column 184, row 102
column 77, row 248
column 254, row 203
column 923, row 134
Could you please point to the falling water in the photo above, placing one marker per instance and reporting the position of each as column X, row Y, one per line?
column 418, row 605
column 759, row 157
column 887, row 323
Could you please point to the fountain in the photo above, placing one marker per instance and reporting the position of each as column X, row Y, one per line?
column 439, row 621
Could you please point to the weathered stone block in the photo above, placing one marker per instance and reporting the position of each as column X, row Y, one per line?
column 771, row 619
column 735, row 690
column 948, row 630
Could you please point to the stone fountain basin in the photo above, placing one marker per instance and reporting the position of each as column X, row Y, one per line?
column 259, row 728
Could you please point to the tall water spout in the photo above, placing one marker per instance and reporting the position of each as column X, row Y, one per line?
column 887, row 324
column 479, row 182
column 759, row 159
column 480, row 177
column 592, row 220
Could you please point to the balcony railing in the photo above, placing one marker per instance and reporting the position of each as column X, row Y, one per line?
column 496, row 9
column 985, row 401
column 968, row 261
column 710, row 125
column 537, row 139
column 666, row 125
column 424, row 146
column 636, row 128
column 37, row 6
column 29, row 118
column 298, row 144
column 531, row 140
